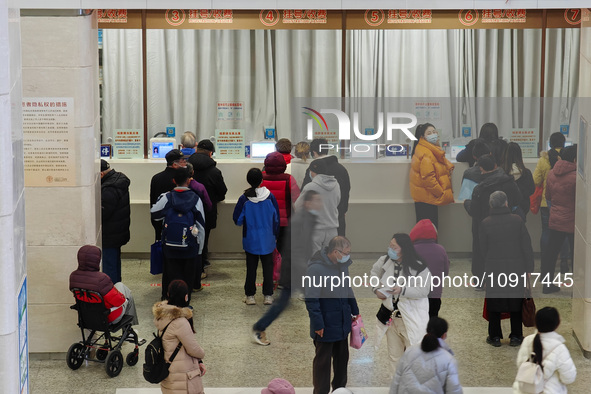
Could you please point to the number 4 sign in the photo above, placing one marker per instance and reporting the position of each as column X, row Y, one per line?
column 269, row 17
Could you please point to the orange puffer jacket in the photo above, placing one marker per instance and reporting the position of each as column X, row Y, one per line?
column 430, row 175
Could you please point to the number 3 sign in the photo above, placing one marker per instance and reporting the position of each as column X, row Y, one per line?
column 175, row 17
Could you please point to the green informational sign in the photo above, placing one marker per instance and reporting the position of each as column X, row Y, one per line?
column 229, row 143
column 128, row 144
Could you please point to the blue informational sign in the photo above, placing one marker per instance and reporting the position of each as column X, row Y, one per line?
column 170, row 131
column 269, row 133
column 23, row 338
column 369, row 131
column 466, row 131
column 247, row 151
column 100, row 38
column 564, row 128
column 106, row 150
column 395, row 150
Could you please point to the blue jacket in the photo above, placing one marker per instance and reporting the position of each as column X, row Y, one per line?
column 259, row 218
column 328, row 309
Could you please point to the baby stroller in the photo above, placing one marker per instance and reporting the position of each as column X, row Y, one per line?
column 92, row 316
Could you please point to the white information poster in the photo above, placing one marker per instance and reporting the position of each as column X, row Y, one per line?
column 49, row 144
column 229, row 143
column 230, row 110
column 527, row 140
column 428, row 110
column 128, row 144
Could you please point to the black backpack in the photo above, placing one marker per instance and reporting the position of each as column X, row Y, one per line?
column 156, row 367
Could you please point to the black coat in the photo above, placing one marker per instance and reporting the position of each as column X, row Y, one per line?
column 115, row 209
column 478, row 207
column 506, row 246
column 161, row 183
column 527, row 187
column 497, row 147
column 336, row 169
column 206, row 172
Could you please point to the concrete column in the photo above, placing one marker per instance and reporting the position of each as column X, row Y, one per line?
column 13, row 342
column 60, row 60
column 582, row 255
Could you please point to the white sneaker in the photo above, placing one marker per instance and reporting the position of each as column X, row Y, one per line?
column 261, row 338
column 250, row 300
column 268, row 300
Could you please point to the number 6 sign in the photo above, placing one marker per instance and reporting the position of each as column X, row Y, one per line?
column 468, row 17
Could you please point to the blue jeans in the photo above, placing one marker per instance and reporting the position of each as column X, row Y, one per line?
column 112, row 263
column 273, row 313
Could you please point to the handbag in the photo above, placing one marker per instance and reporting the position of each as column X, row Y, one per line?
column 276, row 265
column 504, row 315
column 535, row 200
column 528, row 308
column 358, row 333
column 156, row 258
column 530, row 377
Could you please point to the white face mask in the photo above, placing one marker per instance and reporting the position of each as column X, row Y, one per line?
column 432, row 138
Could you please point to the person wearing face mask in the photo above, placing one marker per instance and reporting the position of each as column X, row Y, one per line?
column 293, row 261
column 430, row 174
column 404, row 285
column 331, row 310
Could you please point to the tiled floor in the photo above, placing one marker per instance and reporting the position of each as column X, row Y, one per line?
column 223, row 324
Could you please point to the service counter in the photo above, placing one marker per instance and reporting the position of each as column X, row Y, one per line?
column 379, row 205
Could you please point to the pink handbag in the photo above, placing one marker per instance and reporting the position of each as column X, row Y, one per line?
column 358, row 333
column 276, row 265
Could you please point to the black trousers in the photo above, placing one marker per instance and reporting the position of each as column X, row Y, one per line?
column 252, row 262
column 434, row 306
column 325, row 351
column 183, row 269
column 555, row 241
column 342, row 225
column 427, row 211
column 494, row 325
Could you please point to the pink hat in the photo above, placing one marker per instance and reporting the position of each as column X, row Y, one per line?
column 278, row 386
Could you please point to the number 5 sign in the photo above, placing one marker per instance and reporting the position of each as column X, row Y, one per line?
column 468, row 17
column 269, row 17
column 374, row 17
column 175, row 17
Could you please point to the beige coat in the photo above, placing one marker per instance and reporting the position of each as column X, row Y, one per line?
column 185, row 375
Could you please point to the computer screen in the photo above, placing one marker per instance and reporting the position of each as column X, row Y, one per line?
column 455, row 149
column 160, row 148
column 261, row 149
column 363, row 150
column 566, row 143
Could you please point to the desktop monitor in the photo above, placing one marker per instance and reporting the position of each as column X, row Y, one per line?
column 159, row 147
column 363, row 150
column 260, row 149
column 566, row 143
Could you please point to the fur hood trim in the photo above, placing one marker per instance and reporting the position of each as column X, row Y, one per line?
column 163, row 311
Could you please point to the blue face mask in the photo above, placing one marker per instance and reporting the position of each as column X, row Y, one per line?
column 432, row 138
column 344, row 259
column 393, row 254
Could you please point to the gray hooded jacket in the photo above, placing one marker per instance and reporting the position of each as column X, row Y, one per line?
column 328, row 188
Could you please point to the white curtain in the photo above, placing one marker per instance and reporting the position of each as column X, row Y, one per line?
column 478, row 76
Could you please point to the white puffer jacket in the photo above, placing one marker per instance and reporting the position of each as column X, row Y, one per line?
column 427, row 373
column 559, row 368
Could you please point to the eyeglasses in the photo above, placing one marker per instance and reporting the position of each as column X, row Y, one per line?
column 343, row 253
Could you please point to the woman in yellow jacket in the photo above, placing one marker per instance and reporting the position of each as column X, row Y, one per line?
column 430, row 174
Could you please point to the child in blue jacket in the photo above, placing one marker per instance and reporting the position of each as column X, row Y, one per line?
column 258, row 214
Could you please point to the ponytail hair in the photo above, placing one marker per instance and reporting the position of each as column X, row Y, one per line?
column 547, row 320
column 254, row 177
column 436, row 328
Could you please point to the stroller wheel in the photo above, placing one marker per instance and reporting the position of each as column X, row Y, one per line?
column 132, row 358
column 101, row 354
column 114, row 363
column 75, row 356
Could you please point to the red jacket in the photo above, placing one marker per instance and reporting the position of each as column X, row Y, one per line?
column 560, row 191
column 283, row 186
column 88, row 277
